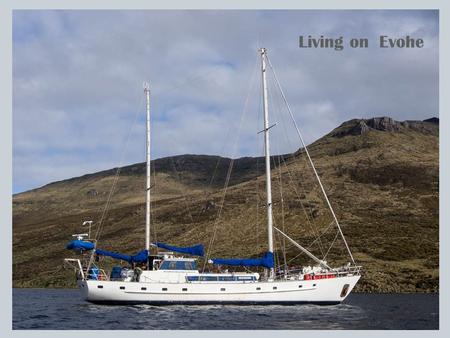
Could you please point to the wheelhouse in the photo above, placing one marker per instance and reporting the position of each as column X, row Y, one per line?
column 184, row 264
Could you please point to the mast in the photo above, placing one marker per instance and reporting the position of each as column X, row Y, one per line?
column 267, row 156
column 147, row 209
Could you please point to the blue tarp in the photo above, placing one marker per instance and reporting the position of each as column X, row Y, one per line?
column 266, row 261
column 140, row 257
column 196, row 250
column 79, row 245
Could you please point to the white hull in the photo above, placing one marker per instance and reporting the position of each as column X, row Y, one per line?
column 323, row 291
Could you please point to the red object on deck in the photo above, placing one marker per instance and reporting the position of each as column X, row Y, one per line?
column 323, row 276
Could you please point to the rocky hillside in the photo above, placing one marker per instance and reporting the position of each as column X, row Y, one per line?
column 382, row 177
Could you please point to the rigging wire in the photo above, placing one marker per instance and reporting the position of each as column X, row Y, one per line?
column 116, row 178
column 312, row 243
column 152, row 211
column 230, row 167
column 182, row 190
column 293, row 182
column 260, row 143
column 310, row 160
column 282, row 214
column 278, row 151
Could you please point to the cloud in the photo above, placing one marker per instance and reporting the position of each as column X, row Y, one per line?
column 77, row 81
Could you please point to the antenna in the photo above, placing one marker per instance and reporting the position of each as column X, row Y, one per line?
column 90, row 225
column 80, row 237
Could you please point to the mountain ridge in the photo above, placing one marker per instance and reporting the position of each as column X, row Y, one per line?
column 353, row 126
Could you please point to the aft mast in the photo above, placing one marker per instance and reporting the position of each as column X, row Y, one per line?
column 263, row 52
column 147, row 209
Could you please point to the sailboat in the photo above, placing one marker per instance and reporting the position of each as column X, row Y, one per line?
column 170, row 278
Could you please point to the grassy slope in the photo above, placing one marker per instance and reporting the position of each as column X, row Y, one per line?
column 383, row 185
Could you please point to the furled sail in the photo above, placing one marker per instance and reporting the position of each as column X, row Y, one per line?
column 77, row 244
column 196, row 250
column 266, row 261
column 140, row 257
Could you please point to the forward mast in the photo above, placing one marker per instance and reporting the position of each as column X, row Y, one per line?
column 147, row 205
column 263, row 52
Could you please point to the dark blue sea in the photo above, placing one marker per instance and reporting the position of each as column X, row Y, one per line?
column 63, row 309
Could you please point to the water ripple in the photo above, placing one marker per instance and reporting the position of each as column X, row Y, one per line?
column 63, row 309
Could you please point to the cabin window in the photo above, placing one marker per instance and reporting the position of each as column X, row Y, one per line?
column 257, row 289
column 178, row 265
column 226, row 278
column 122, row 288
column 164, row 266
column 192, row 278
column 190, row 266
column 314, row 284
column 208, row 278
column 300, row 286
column 164, row 289
column 100, row 286
column 168, row 265
column 274, row 287
column 246, row 278
column 184, row 289
column 222, row 289
column 143, row 288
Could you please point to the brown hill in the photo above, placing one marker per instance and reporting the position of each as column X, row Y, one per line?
column 382, row 177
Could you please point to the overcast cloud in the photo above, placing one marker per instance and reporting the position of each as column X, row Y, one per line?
column 78, row 82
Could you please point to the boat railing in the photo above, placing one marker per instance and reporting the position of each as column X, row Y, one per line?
column 352, row 270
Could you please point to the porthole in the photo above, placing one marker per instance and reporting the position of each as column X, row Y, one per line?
column 222, row 289
column 143, row 288
column 100, row 286
column 164, row 289
column 345, row 290
column 257, row 289
column 274, row 287
column 300, row 286
column 314, row 284
column 122, row 288
column 184, row 289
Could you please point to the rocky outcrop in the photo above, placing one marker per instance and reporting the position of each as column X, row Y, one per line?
column 385, row 124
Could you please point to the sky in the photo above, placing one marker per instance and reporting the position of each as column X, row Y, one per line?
column 78, row 102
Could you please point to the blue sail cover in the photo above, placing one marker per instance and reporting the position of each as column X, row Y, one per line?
column 140, row 257
column 196, row 250
column 79, row 245
column 266, row 261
